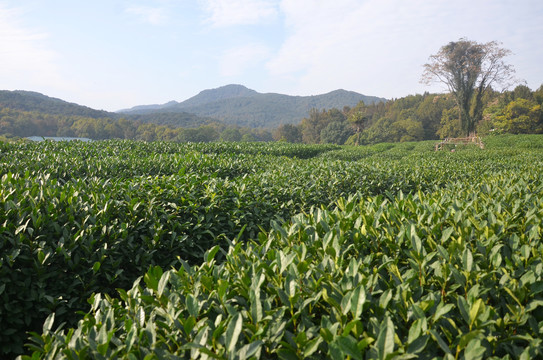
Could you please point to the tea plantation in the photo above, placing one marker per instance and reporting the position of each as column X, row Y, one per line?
column 122, row 249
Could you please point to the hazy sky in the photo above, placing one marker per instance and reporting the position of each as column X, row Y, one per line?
column 113, row 54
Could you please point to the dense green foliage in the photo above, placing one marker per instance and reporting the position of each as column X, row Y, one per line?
column 395, row 249
column 180, row 119
column 156, row 127
column 82, row 218
column 418, row 117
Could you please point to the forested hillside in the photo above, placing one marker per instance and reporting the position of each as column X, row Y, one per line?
column 411, row 118
column 33, row 101
column 25, row 113
column 417, row 117
column 238, row 105
column 18, row 123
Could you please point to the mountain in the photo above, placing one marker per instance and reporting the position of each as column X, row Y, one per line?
column 34, row 101
column 31, row 101
column 204, row 97
column 144, row 108
column 230, row 104
column 223, row 93
column 238, row 105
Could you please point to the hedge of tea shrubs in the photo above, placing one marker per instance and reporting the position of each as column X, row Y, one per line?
column 79, row 219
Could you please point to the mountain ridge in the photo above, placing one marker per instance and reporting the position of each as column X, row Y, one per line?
column 34, row 101
column 24, row 100
column 231, row 104
column 238, row 105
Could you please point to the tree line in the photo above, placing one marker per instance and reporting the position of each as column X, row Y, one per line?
column 18, row 123
column 469, row 70
column 411, row 118
column 418, row 117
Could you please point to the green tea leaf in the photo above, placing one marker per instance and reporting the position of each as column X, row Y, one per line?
column 415, row 240
column 466, row 338
column 357, row 301
column 210, row 254
column 474, row 311
column 188, row 325
column 446, row 234
column 442, row 310
column 140, row 316
column 415, row 331
column 513, row 295
column 385, row 340
column 162, row 283
column 474, row 350
column 250, row 350
column 348, row 346
column 311, row 346
column 467, row 260
column 233, row 331
column 193, row 305
column 41, row 257
column 365, row 342
column 464, row 309
column 131, row 337
column 256, row 305
column 442, row 344
column 418, row 344
column 48, row 324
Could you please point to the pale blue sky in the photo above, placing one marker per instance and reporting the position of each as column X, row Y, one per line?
column 114, row 54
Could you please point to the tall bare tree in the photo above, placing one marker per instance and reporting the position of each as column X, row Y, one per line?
column 468, row 69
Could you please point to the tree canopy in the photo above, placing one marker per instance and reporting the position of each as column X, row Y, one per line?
column 419, row 117
column 468, row 69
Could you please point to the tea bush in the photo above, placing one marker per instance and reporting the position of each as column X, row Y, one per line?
column 78, row 219
column 455, row 273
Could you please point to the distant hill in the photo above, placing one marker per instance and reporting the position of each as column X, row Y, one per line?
column 230, row 104
column 35, row 102
column 227, row 92
column 238, row 105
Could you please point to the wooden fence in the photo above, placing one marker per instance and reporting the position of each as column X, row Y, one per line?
column 472, row 139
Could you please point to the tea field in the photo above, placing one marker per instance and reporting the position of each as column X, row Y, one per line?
column 123, row 249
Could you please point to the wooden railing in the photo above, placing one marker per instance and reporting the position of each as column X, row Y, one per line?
column 472, row 139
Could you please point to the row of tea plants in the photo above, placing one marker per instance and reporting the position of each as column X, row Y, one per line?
column 392, row 235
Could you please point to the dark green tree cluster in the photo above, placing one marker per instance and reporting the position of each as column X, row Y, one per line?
column 18, row 123
column 418, row 117
column 516, row 112
column 411, row 118
column 320, row 127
